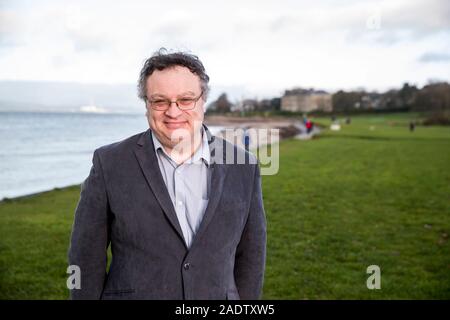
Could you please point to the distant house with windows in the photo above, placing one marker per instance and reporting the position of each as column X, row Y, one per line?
column 306, row 100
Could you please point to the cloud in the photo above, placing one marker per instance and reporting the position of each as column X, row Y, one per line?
column 434, row 57
column 9, row 26
column 85, row 32
column 82, row 40
column 421, row 17
column 266, row 46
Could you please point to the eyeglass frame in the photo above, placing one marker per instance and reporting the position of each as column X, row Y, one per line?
column 195, row 100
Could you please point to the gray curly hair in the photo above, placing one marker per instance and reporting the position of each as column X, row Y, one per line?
column 163, row 59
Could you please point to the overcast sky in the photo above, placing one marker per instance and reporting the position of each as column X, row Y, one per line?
column 261, row 46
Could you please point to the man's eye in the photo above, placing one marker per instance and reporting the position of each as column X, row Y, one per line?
column 158, row 101
column 186, row 100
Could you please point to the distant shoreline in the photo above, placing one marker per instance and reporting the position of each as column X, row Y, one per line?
column 75, row 112
column 254, row 122
column 38, row 193
column 287, row 127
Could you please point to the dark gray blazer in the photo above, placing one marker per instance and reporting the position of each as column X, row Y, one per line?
column 125, row 203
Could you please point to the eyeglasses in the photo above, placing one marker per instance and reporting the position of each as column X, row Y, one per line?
column 182, row 103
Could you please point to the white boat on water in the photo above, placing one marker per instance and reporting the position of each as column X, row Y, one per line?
column 92, row 109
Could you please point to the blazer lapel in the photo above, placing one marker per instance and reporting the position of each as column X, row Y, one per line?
column 218, row 174
column 146, row 156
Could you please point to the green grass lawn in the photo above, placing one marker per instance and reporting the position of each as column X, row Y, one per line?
column 372, row 193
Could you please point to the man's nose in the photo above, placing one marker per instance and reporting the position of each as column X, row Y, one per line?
column 173, row 110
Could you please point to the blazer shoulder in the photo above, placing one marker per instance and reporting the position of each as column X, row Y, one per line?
column 119, row 147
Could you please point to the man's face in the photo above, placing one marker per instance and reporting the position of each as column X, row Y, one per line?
column 172, row 125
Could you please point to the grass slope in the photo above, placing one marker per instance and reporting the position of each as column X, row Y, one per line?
column 372, row 193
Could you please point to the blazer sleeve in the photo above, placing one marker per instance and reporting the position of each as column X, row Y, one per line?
column 90, row 235
column 251, row 251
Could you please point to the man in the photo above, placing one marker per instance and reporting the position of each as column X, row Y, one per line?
column 182, row 220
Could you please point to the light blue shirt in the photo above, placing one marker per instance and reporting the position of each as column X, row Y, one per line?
column 188, row 185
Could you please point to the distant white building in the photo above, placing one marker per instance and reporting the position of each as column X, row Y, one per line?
column 306, row 100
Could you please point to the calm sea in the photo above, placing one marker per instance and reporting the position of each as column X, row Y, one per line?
column 41, row 151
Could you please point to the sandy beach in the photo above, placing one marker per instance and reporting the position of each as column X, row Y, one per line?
column 249, row 122
column 262, row 130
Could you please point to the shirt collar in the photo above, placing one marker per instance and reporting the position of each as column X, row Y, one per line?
column 202, row 152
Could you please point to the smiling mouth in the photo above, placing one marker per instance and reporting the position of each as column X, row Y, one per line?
column 174, row 125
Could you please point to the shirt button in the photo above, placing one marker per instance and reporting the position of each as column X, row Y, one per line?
column 180, row 203
column 186, row 266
